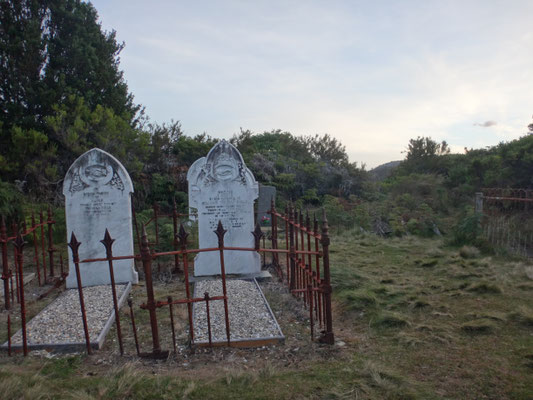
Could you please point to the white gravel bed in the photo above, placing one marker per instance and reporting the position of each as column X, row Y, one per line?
column 249, row 315
column 60, row 322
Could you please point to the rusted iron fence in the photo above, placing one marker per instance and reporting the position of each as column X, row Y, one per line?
column 306, row 271
column 507, row 221
column 294, row 241
column 44, row 255
column 154, row 224
column 152, row 304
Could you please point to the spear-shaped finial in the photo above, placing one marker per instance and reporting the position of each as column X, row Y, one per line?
column 258, row 234
column 220, row 232
column 182, row 235
column 19, row 242
column 74, row 244
column 107, row 242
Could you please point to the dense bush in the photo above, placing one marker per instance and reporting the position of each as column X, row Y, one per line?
column 10, row 201
column 467, row 231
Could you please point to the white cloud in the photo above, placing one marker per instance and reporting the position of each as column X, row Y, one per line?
column 372, row 75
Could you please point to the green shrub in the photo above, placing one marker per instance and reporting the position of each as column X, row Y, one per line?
column 337, row 216
column 413, row 226
column 10, row 201
column 468, row 230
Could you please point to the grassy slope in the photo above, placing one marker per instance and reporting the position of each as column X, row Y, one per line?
column 418, row 321
column 460, row 325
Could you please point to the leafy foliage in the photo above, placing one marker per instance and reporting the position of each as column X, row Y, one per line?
column 298, row 165
column 61, row 92
column 10, row 200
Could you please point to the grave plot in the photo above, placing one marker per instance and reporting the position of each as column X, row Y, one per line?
column 221, row 311
column 59, row 325
column 251, row 320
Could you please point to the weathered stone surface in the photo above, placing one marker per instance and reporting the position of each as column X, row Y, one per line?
column 222, row 188
column 266, row 194
column 97, row 190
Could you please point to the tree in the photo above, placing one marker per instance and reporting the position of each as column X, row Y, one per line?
column 22, row 59
column 425, row 147
column 296, row 165
column 61, row 91
column 327, row 149
column 83, row 60
column 423, row 156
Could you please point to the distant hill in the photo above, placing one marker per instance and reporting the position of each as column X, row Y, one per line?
column 382, row 171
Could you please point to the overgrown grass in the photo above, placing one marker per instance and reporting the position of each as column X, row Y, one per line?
column 419, row 320
column 432, row 311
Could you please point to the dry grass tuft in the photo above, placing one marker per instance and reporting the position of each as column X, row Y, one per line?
column 479, row 326
column 469, row 252
column 485, row 288
column 523, row 315
column 389, row 320
column 359, row 299
column 529, row 272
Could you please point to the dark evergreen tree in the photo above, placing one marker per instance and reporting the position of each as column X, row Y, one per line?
column 22, row 59
column 61, row 92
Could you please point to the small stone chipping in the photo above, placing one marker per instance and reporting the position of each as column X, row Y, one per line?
column 60, row 322
column 249, row 315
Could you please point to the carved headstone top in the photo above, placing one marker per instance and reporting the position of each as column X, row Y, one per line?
column 223, row 164
column 221, row 187
column 97, row 190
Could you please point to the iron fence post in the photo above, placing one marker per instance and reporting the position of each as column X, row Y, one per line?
column 14, row 229
column 74, row 246
column 182, row 236
column 258, row 234
column 43, row 251
column 35, row 248
column 51, row 249
column 19, row 246
column 175, row 242
column 327, row 336
column 274, row 237
column 108, row 244
column 220, row 232
column 292, row 251
column 208, row 315
column 169, row 301
column 132, row 317
column 287, row 255
column 147, row 264
column 5, row 266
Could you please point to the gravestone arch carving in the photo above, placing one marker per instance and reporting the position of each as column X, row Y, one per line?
column 221, row 187
column 97, row 190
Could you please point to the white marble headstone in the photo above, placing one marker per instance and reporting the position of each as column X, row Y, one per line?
column 97, row 190
column 222, row 188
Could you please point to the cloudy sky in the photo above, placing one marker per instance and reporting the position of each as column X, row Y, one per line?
column 371, row 73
